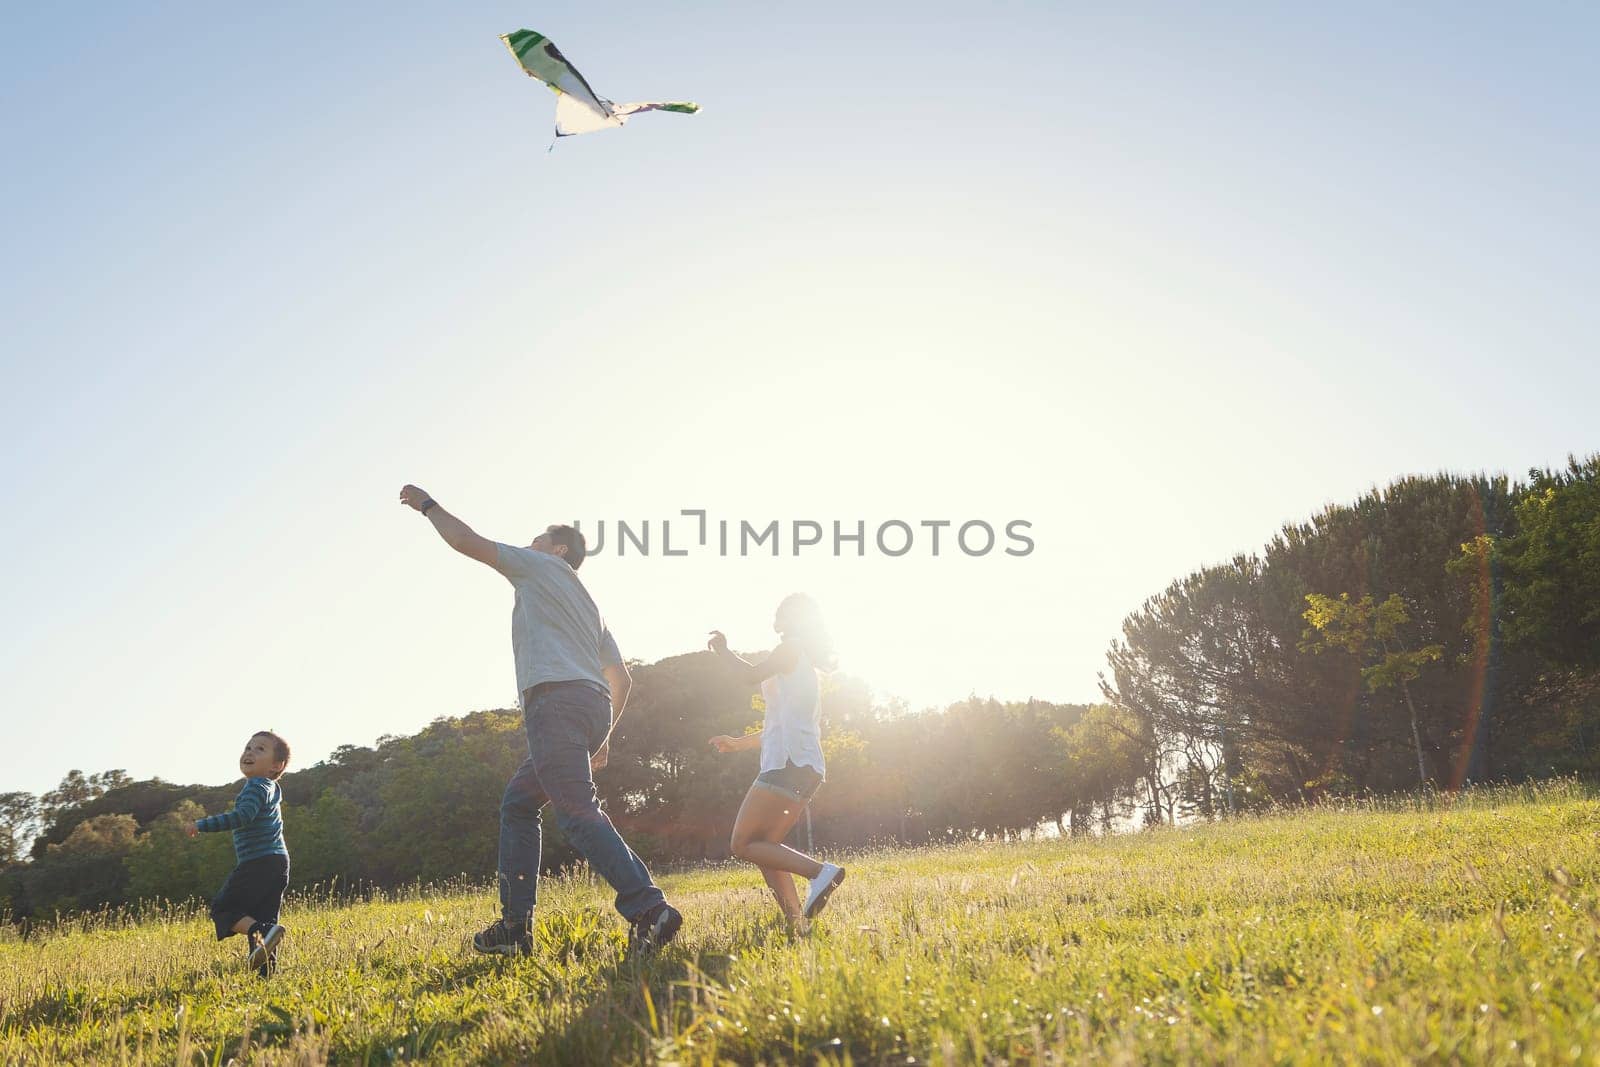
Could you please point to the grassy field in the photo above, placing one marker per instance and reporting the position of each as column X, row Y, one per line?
column 1436, row 931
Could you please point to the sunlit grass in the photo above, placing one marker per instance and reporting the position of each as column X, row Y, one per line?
column 1428, row 929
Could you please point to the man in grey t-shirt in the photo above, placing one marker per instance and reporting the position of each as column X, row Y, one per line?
column 573, row 687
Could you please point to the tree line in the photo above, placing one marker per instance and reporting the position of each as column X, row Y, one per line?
column 425, row 807
column 1438, row 631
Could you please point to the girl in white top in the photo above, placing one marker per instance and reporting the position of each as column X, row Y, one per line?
column 792, row 765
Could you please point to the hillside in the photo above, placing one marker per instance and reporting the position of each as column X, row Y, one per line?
column 1464, row 931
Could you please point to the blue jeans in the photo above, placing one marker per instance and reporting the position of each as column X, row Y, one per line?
column 566, row 722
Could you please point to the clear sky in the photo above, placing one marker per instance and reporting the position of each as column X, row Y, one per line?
column 1154, row 281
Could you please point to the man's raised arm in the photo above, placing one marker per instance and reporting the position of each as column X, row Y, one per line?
column 457, row 534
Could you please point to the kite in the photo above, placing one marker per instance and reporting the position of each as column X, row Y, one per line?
column 579, row 109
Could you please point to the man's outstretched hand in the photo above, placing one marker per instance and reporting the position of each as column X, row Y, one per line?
column 457, row 534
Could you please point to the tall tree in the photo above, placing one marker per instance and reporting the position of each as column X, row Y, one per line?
column 19, row 817
column 1552, row 592
column 75, row 790
column 1373, row 631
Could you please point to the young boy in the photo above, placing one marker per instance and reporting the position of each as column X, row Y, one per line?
column 249, row 900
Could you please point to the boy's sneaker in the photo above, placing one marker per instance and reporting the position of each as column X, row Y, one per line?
column 654, row 928
column 822, row 887
column 264, row 942
column 504, row 939
column 269, row 968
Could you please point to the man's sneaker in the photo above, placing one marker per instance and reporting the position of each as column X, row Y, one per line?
column 264, row 944
column 654, row 928
column 822, row 887
column 504, row 939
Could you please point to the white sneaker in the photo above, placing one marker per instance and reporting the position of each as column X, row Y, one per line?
column 822, row 886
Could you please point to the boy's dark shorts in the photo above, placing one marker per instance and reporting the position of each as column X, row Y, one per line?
column 255, row 888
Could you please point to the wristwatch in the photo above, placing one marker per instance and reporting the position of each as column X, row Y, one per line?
column 426, row 504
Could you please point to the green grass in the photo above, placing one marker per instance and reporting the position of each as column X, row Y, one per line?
column 1465, row 931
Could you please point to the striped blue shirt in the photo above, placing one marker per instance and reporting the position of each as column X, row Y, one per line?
column 256, row 821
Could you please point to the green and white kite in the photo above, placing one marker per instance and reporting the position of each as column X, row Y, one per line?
column 579, row 109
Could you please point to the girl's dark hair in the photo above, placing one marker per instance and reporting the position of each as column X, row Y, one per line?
column 280, row 749
column 802, row 623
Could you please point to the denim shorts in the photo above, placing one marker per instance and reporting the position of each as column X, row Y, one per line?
column 801, row 783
